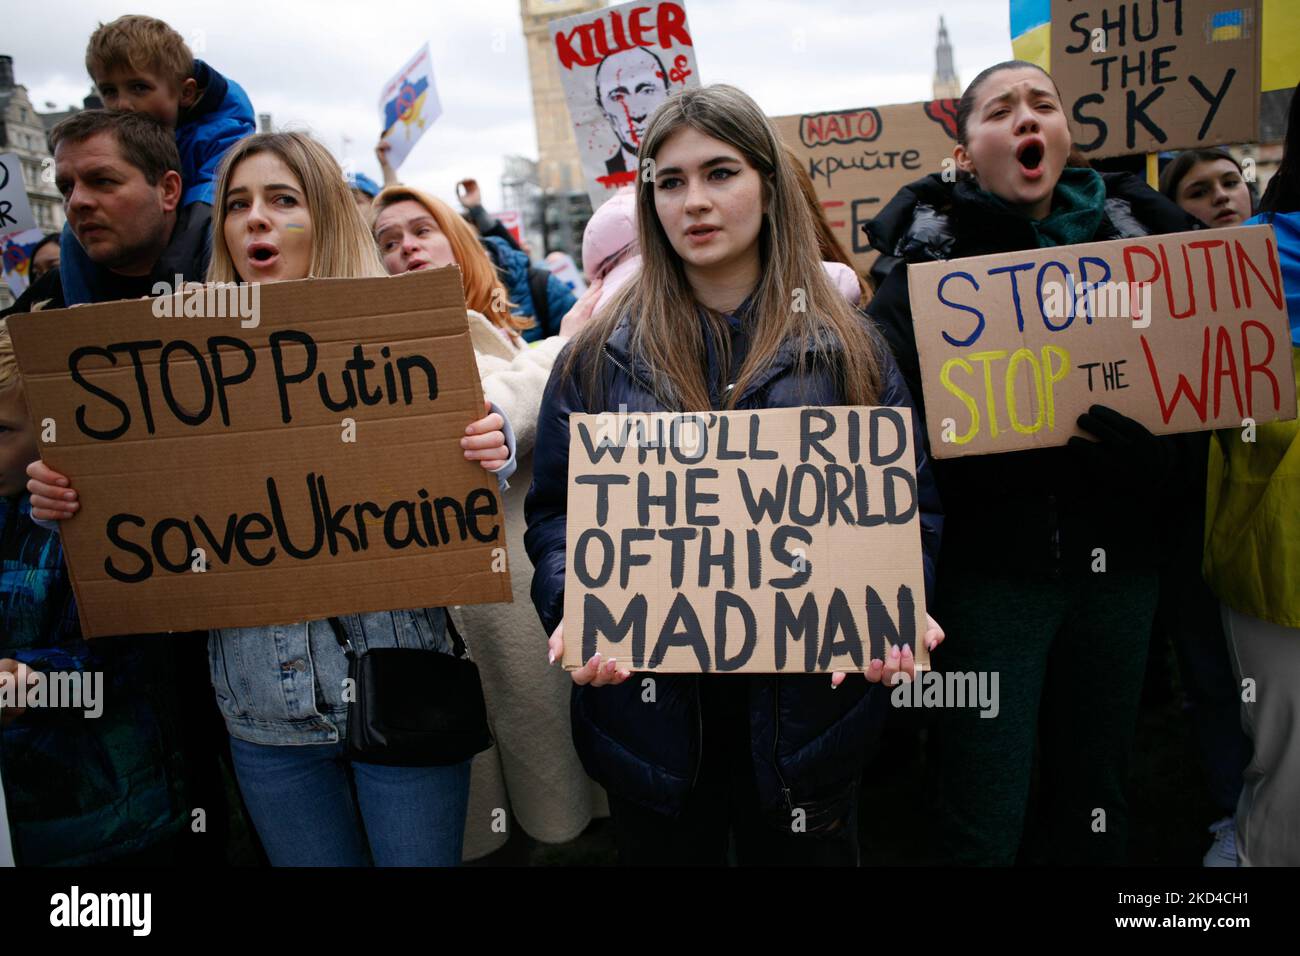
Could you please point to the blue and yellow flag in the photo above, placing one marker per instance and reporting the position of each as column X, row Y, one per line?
column 407, row 105
column 1226, row 25
column 1031, row 31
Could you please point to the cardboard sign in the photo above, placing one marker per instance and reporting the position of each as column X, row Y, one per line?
column 1182, row 333
column 408, row 106
column 858, row 159
column 15, row 210
column 783, row 540
column 617, row 66
column 305, row 467
column 1138, row 77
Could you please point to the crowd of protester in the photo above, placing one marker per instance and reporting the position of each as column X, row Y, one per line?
column 688, row 308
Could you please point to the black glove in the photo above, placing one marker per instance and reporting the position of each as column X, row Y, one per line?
column 1126, row 456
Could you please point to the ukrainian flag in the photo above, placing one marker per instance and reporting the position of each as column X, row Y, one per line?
column 407, row 104
column 1031, row 31
column 1226, row 25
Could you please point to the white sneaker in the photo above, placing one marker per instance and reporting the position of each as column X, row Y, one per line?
column 1223, row 851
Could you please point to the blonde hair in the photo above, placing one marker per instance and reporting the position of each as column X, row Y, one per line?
column 11, row 378
column 666, row 329
column 341, row 245
column 484, row 291
column 139, row 43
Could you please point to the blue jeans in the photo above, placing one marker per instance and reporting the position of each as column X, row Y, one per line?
column 301, row 801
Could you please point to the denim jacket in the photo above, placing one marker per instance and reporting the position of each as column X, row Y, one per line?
column 282, row 684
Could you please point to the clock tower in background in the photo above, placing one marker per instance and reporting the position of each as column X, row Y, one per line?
column 946, row 84
column 558, row 168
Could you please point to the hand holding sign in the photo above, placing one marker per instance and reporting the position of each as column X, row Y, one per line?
column 888, row 670
column 1125, row 455
column 594, row 672
column 314, row 463
column 1182, row 332
column 896, row 663
column 716, row 542
column 52, row 497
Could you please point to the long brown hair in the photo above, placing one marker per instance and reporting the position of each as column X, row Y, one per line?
column 484, row 291
column 341, row 245
column 828, row 246
column 793, row 301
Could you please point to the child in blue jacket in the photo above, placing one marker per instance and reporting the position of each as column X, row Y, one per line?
column 140, row 63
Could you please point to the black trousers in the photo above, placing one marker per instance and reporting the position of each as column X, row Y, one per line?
column 723, row 810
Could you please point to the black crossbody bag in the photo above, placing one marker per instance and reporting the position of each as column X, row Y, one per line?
column 414, row 707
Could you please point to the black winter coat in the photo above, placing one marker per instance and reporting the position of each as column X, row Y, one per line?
column 808, row 741
column 1027, row 511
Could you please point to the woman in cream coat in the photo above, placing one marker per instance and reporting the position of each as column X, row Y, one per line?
column 531, row 776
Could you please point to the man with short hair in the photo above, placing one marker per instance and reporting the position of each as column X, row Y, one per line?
column 119, row 174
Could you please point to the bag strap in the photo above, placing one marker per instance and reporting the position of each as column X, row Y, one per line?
column 341, row 636
column 458, row 642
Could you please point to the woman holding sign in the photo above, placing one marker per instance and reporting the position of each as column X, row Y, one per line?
column 1048, row 573
column 284, row 212
column 532, row 769
column 727, row 242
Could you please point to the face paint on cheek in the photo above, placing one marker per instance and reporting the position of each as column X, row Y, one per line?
column 295, row 227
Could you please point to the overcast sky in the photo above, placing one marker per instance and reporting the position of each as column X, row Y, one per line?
column 319, row 65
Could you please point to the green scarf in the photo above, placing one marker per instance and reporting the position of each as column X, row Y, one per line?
column 1078, row 203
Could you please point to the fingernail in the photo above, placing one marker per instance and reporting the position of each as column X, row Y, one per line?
column 929, row 644
column 464, row 442
column 550, row 657
column 62, row 482
column 69, row 495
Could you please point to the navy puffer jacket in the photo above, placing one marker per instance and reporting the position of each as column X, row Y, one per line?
column 808, row 741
